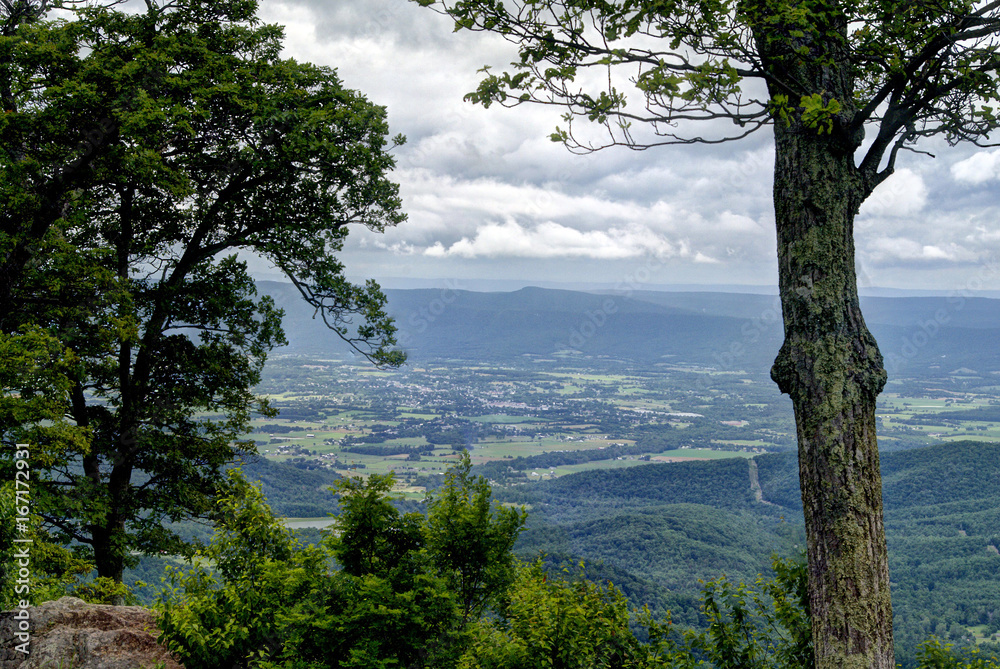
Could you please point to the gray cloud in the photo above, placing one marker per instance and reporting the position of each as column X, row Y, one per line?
column 489, row 195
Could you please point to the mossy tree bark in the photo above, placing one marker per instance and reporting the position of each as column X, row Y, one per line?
column 831, row 368
column 829, row 363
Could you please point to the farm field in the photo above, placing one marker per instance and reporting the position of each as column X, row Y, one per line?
column 969, row 416
column 547, row 420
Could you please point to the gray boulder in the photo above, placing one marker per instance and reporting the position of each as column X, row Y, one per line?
column 72, row 634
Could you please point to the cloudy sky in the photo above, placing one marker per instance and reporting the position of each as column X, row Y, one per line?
column 489, row 196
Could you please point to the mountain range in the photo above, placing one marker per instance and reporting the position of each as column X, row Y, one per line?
column 933, row 335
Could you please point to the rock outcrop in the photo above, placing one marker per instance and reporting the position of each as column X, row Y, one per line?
column 72, row 634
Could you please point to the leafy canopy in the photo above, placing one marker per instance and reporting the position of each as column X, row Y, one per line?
column 142, row 156
column 375, row 593
column 471, row 539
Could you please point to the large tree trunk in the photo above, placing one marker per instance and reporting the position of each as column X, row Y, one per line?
column 108, row 559
column 107, row 533
column 831, row 368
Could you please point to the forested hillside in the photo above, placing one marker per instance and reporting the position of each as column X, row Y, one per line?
column 661, row 527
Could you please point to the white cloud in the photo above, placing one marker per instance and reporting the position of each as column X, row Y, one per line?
column 730, row 222
column 399, row 248
column 983, row 235
column 552, row 240
column 902, row 194
column 700, row 257
column 887, row 250
column 427, row 191
column 486, row 217
column 979, row 168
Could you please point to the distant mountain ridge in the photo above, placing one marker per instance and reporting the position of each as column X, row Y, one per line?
column 727, row 331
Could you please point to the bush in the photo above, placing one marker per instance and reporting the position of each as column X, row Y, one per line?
column 933, row 654
column 573, row 623
column 551, row 622
column 386, row 590
column 104, row 590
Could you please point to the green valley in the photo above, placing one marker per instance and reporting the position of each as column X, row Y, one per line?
column 656, row 475
column 640, row 469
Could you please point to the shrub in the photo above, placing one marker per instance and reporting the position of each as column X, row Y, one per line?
column 385, row 590
column 933, row 654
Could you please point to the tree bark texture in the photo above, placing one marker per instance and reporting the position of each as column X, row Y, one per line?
column 832, row 369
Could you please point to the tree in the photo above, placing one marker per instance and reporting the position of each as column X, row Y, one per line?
column 372, row 536
column 821, row 74
column 390, row 604
column 556, row 622
column 471, row 540
column 227, row 618
column 139, row 153
column 551, row 623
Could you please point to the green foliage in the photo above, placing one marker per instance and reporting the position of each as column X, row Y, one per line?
column 764, row 628
column 721, row 483
column 567, row 623
column 471, row 539
column 8, row 532
column 54, row 570
column 933, row 654
column 208, row 623
column 819, row 114
column 401, row 597
column 555, row 623
column 665, row 524
column 35, row 373
column 104, row 590
column 375, row 593
column 138, row 152
column 372, row 536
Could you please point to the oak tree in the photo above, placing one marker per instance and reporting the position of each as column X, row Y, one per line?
column 822, row 76
column 140, row 153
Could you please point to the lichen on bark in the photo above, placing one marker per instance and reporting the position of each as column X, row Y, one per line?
column 832, row 369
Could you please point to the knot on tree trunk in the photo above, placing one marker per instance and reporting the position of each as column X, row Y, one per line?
column 839, row 361
column 833, row 379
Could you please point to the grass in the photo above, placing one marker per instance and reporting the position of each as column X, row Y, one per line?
column 747, row 443
column 504, row 419
column 699, row 454
column 980, row 634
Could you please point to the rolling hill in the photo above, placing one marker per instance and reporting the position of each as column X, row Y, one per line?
column 659, row 528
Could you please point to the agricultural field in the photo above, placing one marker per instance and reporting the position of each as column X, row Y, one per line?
column 967, row 416
column 544, row 420
column 415, row 422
